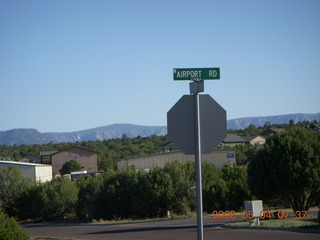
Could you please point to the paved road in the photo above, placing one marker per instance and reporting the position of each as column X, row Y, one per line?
column 183, row 229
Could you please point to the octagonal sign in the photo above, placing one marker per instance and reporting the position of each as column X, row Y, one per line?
column 181, row 124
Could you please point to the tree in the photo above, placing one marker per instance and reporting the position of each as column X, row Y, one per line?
column 267, row 125
column 71, row 166
column 291, row 123
column 213, row 187
column 88, row 191
column 245, row 153
column 214, row 196
column 114, row 201
column 157, row 187
column 224, row 189
column 12, row 184
column 180, row 202
column 10, row 229
column 57, row 199
column 31, row 196
column 288, row 168
column 236, row 178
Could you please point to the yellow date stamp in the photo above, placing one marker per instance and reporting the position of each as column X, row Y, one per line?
column 263, row 214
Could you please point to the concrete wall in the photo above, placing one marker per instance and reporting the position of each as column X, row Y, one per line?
column 87, row 159
column 43, row 173
column 36, row 172
column 218, row 157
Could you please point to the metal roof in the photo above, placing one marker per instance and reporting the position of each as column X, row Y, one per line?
column 47, row 153
column 23, row 163
column 233, row 138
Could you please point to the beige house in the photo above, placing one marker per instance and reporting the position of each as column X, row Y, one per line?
column 233, row 140
column 218, row 157
column 254, row 140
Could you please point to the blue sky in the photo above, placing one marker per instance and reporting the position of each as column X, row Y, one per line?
column 72, row 65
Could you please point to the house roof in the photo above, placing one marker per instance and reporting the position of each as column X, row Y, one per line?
column 169, row 144
column 47, row 153
column 315, row 125
column 250, row 138
column 85, row 149
column 50, row 153
column 29, row 158
column 271, row 131
column 233, row 138
column 277, row 130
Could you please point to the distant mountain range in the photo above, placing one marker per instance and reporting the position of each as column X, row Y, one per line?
column 33, row 136
column 241, row 123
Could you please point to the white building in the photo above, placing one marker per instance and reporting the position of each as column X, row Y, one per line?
column 37, row 172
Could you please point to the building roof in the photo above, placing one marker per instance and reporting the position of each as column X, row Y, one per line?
column 271, row 132
column 23, row 163
column 250, row 138
column 85, row 149
column 277, row 130
column 30, row 158
column 168, row 153
column 315, row 126
column 169, row 144
column 55, row 152
column 47, row 153
column 233, row 138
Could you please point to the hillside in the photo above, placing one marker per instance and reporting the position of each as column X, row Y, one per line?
column 241, row 123
column 33, row 136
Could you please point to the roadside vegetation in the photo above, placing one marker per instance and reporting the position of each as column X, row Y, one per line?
column 10, row 229
column 125, row 194
column 305, row 223
column 287, row 170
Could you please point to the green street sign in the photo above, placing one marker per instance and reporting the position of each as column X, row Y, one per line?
column 196, row 74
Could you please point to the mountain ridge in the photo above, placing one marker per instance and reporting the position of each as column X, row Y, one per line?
column 30, row 136
column 241, row 123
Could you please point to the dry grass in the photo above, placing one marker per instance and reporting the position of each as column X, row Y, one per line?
column 309, row 222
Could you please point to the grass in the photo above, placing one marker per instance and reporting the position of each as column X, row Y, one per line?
column 308, row 223
column 44, row 238
column 130, row 220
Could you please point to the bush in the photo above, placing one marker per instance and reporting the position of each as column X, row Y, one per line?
column 10, row 229
column 57, row 199
column 12, row 184
column 32, row 197
column 89, row 189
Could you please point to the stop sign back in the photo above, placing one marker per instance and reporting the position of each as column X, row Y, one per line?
column 181, row 124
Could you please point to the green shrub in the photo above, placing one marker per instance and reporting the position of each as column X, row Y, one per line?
column 10, row 229
column 57, row 199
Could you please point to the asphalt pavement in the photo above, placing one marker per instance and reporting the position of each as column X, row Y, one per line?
column 179, row 228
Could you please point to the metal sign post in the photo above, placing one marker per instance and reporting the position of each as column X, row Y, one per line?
column 198, row 161
column 197, row 124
